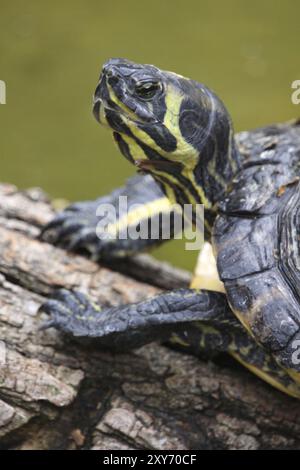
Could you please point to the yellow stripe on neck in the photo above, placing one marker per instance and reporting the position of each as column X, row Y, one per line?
column 138, row 213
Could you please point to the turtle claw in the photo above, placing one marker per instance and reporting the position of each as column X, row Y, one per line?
column 85, row 238
column 70, row 312
column 75, row 228
column 75, row 315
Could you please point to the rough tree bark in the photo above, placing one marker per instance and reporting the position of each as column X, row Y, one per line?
column 56, row 394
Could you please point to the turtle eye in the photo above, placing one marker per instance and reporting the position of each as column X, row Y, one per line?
column 147, row 90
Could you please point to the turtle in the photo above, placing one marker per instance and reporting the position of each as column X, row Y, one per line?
column 245, row 295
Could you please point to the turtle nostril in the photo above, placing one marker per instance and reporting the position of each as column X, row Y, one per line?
column 112, row 78
column 109, row 70
column 111, row 74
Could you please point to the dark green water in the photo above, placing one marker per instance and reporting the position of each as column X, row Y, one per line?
column 51, row 54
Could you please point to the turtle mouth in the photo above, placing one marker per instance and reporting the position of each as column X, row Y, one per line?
column 96, row 109
column 101, row 105
column 100, row 99
column 103, row 109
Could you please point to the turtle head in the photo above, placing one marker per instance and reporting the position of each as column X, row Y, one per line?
column 170, row 126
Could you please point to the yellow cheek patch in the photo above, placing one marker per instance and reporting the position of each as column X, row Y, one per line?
column 184, row 153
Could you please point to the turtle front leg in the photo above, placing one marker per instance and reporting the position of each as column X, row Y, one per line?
column 196, row 321
column 109, row 227
column 175, row 316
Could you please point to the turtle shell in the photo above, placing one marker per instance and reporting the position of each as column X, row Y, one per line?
column 256, row 242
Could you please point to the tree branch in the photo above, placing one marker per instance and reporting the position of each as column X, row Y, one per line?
column 57, row 394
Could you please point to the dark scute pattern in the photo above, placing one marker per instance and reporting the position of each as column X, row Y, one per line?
column 289, row 240
column 257, row 239
column 245, row 246
column 265, row 303
column 253, row 190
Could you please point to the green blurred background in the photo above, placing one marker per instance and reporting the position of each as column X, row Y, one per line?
column 50, row 58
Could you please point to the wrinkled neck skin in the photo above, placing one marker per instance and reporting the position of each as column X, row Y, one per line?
column 207, row 171
column 219, row 162
column 223, row 164
column 208, row 183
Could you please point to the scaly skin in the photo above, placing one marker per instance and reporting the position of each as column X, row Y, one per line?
column 77, row 227
column 180, row 132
